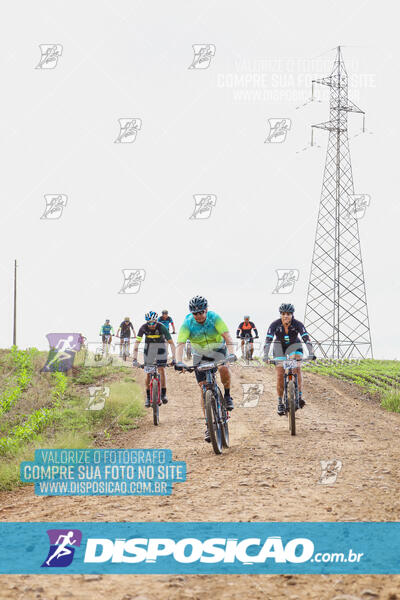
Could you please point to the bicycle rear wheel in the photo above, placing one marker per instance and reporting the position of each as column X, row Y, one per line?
column 214, row 427
column 224, row 425
column 154, row 400
column 292, row 407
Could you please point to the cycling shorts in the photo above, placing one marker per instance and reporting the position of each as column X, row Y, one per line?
column 155, row 352
column 282, row 350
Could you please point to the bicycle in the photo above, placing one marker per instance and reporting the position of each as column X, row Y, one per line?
column 125, row 343
column 104, row 350
column 246, row 348
column 106, row 344
column 216, row 414
column 155, row 386
column 291, row 388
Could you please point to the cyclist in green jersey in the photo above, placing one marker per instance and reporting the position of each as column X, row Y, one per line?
column 210, row 340
column 106, row 333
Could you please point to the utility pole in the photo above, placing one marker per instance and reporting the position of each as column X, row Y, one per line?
column 15, row 304
column 337, row 312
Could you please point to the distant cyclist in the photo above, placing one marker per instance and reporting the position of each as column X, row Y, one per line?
column 285, row 334
column 155, row 349
column 245, row 329
column 106, row 332
column 210, row 341
column 124, row 332
column 166, row 320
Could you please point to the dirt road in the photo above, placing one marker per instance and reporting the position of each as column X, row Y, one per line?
column 266, row 475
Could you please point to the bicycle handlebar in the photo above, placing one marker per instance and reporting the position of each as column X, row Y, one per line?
column 297, row 360
column 210, row 365
column 139, row 366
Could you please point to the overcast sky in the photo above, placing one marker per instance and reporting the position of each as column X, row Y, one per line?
column 201, row 131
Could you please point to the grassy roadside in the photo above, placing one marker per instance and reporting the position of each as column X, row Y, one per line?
column 380, row 378
column 56, row 411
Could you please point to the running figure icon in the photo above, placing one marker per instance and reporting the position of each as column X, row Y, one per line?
column 62, row 347
column 63, row 543
column 62, row 549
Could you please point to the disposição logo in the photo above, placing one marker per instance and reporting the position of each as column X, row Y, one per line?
column 61, row 551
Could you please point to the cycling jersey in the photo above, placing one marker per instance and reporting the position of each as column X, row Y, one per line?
column 245, row 329
column 203, row 336
column 159, row 333
column 126, row 329
column 292, row 339
column 106, row 330
column 155, row 348
column 166, row 322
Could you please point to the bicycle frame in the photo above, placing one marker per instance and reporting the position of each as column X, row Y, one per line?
column 152, row 370
column 216, row 414
column 210, row 382
column 289, row 365
column 154, row 376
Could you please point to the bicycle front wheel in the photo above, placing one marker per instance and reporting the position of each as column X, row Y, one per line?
column 292, row 407
column 213, row 424
column 154, row 401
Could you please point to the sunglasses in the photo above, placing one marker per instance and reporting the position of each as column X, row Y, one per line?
column 198, row 312
column 151, row 323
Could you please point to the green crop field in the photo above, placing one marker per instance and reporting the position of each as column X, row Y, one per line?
column 380, row 378
column 53, row 410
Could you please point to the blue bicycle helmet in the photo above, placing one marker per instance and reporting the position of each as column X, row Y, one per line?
column 197, row 304
column 286, row 307
column 151, row 316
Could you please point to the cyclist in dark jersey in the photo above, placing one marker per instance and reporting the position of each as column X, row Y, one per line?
column 287, row 334
column 244, row 330
column 124, row 331
column 155, row 350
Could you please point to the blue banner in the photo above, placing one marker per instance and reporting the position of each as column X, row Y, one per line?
column 200, row 548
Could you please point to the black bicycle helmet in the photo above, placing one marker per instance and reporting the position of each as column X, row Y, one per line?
column 286, row 307
column 197, row 304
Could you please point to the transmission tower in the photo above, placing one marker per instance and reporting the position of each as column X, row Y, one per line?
column 336, row 312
